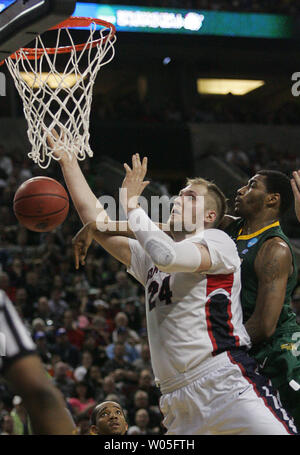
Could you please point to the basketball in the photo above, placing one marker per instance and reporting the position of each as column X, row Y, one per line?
column 41, row 204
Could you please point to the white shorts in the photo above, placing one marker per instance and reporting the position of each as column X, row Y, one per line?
column 231, row 399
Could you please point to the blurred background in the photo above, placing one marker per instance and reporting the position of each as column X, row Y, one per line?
column 214, row 96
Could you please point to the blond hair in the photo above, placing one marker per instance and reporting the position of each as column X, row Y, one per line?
column 215, row 194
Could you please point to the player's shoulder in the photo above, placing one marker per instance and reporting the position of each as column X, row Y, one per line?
column 275, row 247
column 216, row 237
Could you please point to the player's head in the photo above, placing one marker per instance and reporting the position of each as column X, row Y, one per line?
column 200, row 203
column 108, row 419
column 265, row 191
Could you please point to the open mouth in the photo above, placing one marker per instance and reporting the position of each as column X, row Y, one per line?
column 115, row 425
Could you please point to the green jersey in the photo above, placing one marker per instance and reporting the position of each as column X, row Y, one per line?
column 278, row 356
column 248, row 247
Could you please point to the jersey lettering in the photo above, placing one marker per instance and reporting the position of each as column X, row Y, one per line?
column 165, row 293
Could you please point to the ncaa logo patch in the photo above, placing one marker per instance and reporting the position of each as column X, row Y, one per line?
column 252, row 242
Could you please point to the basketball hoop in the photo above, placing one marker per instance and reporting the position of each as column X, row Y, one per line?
column 57, row 92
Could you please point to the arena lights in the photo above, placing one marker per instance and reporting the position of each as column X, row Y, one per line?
column 227, row 86
column 53, row 82
column 194, row 22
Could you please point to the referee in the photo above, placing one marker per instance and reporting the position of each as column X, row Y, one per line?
column 23, row 369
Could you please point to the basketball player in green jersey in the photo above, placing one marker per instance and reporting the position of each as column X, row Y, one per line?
column 269, row 276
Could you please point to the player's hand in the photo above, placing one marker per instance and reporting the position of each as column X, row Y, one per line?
column 133, row 183
column 55, row 142
column 81, row 243
column 295, row 182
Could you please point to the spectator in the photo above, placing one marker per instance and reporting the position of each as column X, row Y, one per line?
column 83, row 425
column 142, row 422
column 144, row 362
column 7, row 425
column 75, row 334
column 146, row 384
column 98, row 353
column 131, row 309
column 86, row 363
column 23, row 303
column 109, row 387
column 5, row 161
column 43, row 310
column 16, row 273
column 57, row 305
column 99, row 329
column 21, row 422
column 94, row 379
column 141, row 401
column 33, row 286
column 122, row 370
column 134, row 431
column 124, row 287
column 42, row 348
column 122, row 335
column 121, row 321
column 64, row 349
column 61, row 379
column 81, row 400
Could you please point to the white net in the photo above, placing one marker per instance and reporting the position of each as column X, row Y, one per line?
column 57, row 90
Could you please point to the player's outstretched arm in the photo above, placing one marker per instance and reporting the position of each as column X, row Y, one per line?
column 295, row 182
column 116, row 245
column 82, row 196
column 86, row 203
column 43, row 402
column 273, row 266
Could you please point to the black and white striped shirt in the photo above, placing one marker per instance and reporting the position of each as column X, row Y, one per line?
column 15, row 341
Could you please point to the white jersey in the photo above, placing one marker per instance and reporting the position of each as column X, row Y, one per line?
column 191, row 317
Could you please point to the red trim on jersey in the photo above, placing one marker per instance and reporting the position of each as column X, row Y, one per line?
column 214, row 282
column 219, row 282
column 244, row 373
column 209, row 328
column 236, row 337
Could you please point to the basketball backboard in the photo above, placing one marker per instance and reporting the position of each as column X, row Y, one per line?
column 22, row 20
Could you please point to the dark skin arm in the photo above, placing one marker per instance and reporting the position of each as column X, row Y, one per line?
column 273, row 265
column 43, row 402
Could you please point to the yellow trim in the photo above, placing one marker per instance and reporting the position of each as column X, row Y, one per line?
column 250, row 236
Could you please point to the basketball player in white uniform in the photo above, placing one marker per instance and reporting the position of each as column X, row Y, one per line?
column 198, row 343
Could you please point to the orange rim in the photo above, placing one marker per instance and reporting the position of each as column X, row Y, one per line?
column 32, row 53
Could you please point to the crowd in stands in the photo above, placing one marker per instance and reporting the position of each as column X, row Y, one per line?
column 256, row 6
column 88, row 325
column 228, row 109
column 261, row 156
